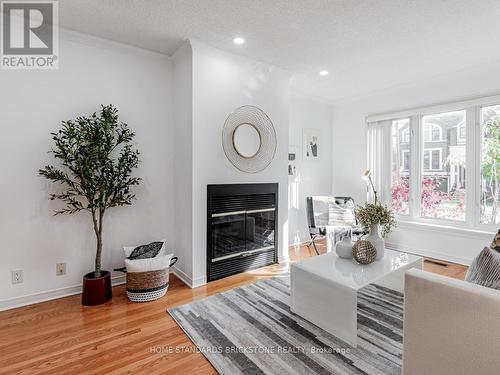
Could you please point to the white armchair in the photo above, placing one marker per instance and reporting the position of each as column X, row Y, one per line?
column 451, row 327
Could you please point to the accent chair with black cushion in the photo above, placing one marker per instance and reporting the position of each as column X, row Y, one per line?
column 332, row 218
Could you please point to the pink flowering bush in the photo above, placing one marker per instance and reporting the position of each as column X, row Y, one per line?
column 400, row 194
column 431, row 196
column 435, row 203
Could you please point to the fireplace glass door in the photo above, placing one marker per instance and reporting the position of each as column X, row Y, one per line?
column 260, row 229
column 241, row 233
column 228, row 234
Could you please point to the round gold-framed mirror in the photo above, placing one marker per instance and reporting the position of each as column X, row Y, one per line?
column 246, row 140
column 249, row 139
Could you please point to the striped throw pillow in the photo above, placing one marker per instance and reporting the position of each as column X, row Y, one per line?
column 485, row 269
column 341, row 214
column 495, row 245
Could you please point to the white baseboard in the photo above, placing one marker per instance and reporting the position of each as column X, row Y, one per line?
column 430, row 254
column 283, row 259
column 199, row 281
column 181, row 275
column 29, row 299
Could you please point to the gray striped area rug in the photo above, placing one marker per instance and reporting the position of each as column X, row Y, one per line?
column 250, row 330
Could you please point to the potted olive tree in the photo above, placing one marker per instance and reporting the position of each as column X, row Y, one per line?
column 96, row 162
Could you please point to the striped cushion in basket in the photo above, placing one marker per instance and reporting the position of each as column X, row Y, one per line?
column 485, row 269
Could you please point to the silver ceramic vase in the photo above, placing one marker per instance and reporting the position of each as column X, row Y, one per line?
column 377, row 241
column 344, row 248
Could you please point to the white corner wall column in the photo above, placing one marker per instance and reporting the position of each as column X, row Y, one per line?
column 220, row 83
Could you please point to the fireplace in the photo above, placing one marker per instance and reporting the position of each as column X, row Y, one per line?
column 241, row 228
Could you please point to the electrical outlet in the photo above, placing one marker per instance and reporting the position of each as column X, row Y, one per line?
column 60, row 269
column 17, row 276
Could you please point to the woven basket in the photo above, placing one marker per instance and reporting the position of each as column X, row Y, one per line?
column 149, row 285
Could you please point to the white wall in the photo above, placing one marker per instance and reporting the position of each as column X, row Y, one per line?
column 222, row 82
column 349, row 151
column 33, row 103
column 181, row 153
column 312, row 177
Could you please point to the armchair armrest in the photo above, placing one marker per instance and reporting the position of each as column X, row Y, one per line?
column 450, row 326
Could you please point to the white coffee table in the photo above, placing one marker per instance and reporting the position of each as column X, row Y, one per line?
column 324, row 288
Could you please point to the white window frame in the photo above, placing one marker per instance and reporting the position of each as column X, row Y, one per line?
column 405, row 135
column 431, row 126
column 479, row 138
column 430, row 169
column 402, row 161
column 459, row 138
column 473, row 159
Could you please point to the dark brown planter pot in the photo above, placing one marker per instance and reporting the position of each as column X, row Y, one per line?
column 96, row 291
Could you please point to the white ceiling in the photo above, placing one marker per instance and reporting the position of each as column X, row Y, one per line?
column 367, row 45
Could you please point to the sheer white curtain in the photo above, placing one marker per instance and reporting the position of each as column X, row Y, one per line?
column 378, row 152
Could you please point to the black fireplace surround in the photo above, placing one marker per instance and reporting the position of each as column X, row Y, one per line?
column 241, row 228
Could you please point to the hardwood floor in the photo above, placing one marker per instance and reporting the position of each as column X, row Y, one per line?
column 119, row 337
column 456, row 271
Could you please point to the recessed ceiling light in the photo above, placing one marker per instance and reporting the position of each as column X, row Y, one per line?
column 324, row 73
column 238, row 40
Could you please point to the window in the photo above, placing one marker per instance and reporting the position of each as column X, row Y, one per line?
column 443, row 168
column 441, row 164
column 461, row 133
column 405, row 135
column 432, row 159
column 405, row 160
column 432, row 132
column 490, row 165
column 400, row 165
